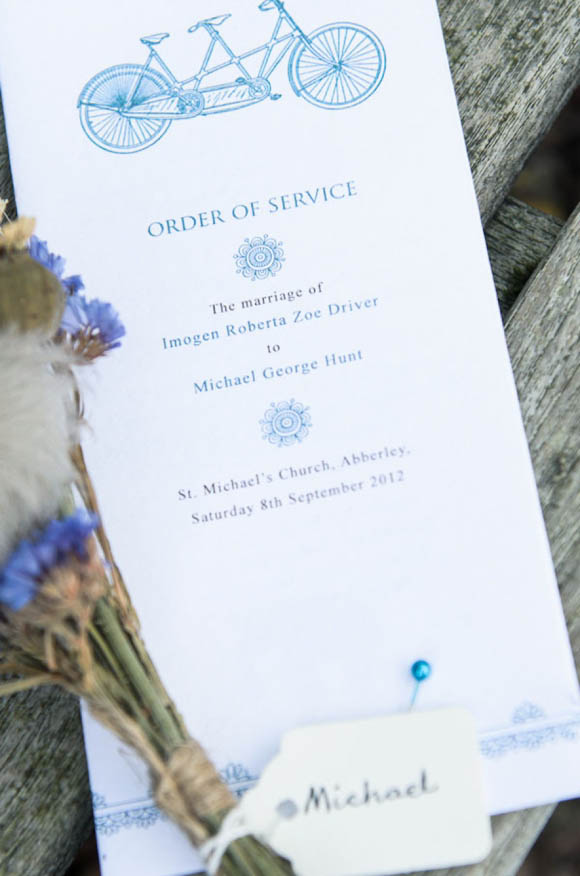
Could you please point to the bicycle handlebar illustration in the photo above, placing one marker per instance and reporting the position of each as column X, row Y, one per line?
column 129, row 107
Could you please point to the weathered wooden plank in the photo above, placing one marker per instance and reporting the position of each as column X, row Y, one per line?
column 6, row 190
column 518, row 238
column 45, row 809
column 543, row 332
column 514, row 64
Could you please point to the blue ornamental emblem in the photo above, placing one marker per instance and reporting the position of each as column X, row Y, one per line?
column 259, row 258
column 286, row 423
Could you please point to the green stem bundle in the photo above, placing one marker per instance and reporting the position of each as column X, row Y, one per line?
column 150, row 708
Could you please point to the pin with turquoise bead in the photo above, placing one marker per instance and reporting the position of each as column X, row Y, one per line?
column 421, row 671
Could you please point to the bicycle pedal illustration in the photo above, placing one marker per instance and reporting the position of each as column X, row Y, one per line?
column 129, row 107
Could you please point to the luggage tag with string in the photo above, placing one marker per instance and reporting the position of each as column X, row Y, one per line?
column 379, row 796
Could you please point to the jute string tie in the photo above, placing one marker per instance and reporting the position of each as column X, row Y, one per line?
column 189, row 789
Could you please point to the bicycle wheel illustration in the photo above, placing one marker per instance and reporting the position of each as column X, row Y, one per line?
column 341, row 66
column 104, row 98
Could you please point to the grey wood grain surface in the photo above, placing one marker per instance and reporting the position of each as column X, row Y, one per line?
column 45, row 807
column 514, row 62
column 543, row 332
column 518, row 238
column 6, row 190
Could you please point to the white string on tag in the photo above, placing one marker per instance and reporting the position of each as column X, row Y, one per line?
column 234, row 827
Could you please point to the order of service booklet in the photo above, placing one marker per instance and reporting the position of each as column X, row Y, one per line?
column 309, row 452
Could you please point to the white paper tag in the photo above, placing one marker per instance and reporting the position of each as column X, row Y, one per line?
column 380, row 796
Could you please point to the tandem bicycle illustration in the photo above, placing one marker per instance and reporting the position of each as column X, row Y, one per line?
column 129, row 107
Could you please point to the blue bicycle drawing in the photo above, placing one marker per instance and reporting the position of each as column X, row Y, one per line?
column 129, row 107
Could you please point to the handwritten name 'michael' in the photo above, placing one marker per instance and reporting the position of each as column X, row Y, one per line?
column 276, row 204
column 322, row 799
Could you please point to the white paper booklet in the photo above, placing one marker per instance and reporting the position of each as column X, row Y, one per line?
column 309, row 450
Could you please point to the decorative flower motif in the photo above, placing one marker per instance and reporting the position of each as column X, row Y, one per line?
column 526, row 735
column 286, row 423
column 527, row 712
column 38, row 250
column 259, row 258
column 139, row 816
column 34, row 558
column 99, row 801
column 94, row 326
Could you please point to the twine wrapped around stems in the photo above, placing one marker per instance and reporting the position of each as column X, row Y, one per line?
column 186, row 784
column 73, row 635
column 190, row 789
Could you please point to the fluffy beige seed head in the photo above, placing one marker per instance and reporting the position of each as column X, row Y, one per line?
column 15, row 235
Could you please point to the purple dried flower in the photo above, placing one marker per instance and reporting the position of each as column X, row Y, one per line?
column 34, row 558
column 38, row 250
column 94, row 326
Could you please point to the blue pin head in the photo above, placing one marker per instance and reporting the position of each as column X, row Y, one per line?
column 421, row 670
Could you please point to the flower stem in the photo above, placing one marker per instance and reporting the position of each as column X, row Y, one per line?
column 10, row 687
column 115, row 632
column 128, row 613
column 107, row 620
column 90, row 499
column 114, row 679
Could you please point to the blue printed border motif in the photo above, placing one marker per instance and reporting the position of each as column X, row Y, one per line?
column 129, row 107
column 286, row 423
column 238, row 778
column 259, row 258
column 524, row 736
column 110, row 820
column 530, row 731
column 143, row 813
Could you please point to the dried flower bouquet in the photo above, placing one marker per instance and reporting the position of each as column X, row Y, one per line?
column 66, row 617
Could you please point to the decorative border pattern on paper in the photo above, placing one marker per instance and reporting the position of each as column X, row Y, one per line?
column 530, row 730
column 110, row 818
column 238, row 779
column 133, row 813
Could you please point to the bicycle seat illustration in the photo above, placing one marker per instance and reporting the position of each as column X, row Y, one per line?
column 129, row 107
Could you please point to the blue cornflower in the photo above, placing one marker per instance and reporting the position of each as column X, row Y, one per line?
column 34, row 558
column 73, row 284
column 38, row 249
column 94, row 325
